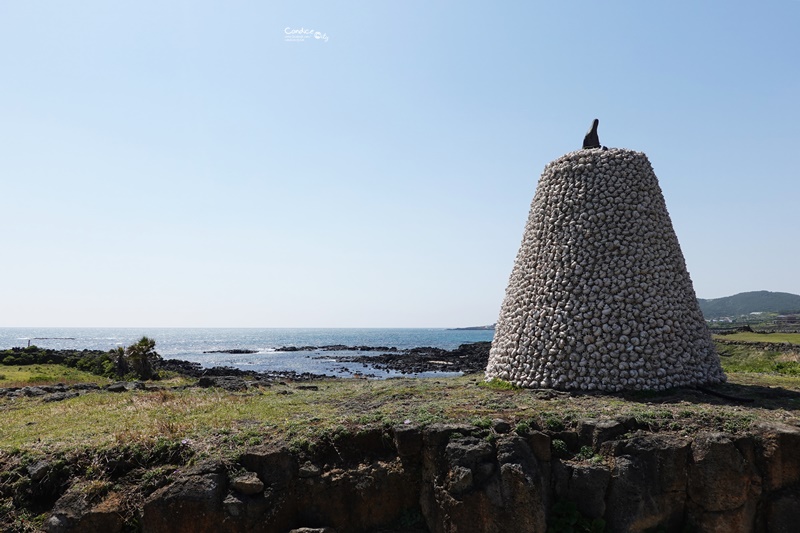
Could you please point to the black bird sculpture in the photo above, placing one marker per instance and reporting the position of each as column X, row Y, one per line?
column 591, row 140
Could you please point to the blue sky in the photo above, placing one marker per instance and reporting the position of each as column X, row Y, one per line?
column 184, row 164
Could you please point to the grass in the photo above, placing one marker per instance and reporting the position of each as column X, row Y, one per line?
column 23, row 376
column 744, row 358
column 751, row 379
column 159, row 430
column 216, row 422
column 747, row 336
column 499, row 384
column 155, row 432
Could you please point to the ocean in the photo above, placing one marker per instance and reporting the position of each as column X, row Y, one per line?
column 192, row 344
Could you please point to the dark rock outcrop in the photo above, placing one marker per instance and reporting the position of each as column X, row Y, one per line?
column 648, row 483
column 231, row 383
column 75, row 512
column 452, row 478
column 196, row 370
column 467, row 358
column 235, row 351
column 197, row 496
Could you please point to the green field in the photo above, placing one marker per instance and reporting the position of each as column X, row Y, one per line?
column 23, row 376
column 747, row 336
column 755, row 358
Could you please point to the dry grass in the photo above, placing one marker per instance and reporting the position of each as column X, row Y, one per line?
column 213, row 421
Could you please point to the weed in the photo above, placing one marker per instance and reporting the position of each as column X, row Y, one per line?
column 168, row 427
column 482, row 422
column 429, row 416
column 95, row 489
column 738, row 423
column 300, row 445
column 164, row 396
column 522, row 429
column 559, row 448
column 157, row 477
column 499, row 384
column 19, row 519
column 554, row 422
column 790, row 368
column 652, row 417
column 585, row 453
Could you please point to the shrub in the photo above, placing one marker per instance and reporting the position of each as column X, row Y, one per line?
column 522, row 429
column 560, row 449
column 554, row 423
column 482, row 422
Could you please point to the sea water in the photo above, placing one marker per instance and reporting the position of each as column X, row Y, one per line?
column 198, row 344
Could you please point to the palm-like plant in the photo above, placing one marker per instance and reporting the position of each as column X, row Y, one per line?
column 142, row 357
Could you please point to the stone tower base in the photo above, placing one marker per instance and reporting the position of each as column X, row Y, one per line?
column 599, row 297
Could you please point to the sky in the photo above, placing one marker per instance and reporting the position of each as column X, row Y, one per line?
column 370, row 164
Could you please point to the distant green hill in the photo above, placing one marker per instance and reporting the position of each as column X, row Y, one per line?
column 750, row 302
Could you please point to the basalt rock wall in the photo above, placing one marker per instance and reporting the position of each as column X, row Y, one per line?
column 455, row 479
column 599, row 297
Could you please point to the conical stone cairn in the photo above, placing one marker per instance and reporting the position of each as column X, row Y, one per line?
column 599, row 297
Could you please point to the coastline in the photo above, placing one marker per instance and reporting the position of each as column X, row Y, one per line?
column 205, row 454
column 269, row 349
column 111, row 455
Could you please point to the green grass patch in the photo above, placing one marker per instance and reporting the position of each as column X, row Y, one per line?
column 744, row 358
column 23, row 376
column 764, row 380
column 748, row 336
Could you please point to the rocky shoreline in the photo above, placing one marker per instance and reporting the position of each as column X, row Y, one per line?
column 467, row 359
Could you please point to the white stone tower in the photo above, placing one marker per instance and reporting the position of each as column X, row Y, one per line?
column 599, row 297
